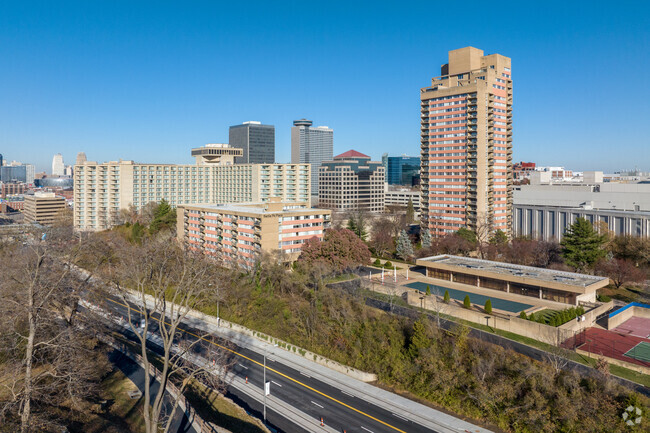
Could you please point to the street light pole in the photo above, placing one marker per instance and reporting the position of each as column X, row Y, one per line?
column 264, row 386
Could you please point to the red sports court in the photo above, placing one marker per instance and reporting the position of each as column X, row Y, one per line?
column 636, row 326
column 628, row 348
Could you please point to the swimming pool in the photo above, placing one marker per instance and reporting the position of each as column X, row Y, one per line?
column 474, row 298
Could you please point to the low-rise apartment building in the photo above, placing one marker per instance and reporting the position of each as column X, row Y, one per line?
column 102, row 190
column 240, row 233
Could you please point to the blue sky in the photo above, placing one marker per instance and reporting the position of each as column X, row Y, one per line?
column 149, row 80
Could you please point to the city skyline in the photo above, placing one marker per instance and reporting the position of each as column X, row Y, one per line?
column 120, row 85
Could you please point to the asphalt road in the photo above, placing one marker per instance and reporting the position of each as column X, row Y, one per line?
column 339, row 409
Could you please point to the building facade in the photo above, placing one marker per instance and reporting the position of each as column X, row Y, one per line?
column 43, row 208
column 102, row 190
column 558, row 286
column 311, row 145
column 17, row 172
column 351, row 182
column 546, row 211
column 466, row 144
column 256, row 141
column 403, row 170
column 399, row 198
column 240, row 233
column 58, row 167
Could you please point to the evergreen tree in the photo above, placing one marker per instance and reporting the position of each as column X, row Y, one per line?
column 467, row 234
column 428, row 292
column 445, row 299
column 488, row 306
column 499, row 238
column 582, row 245
column 410, row 212
column 357, row 225
column 522, row 315
column 164, row 218
column 404, row 246
column 425, row 238
column 466, row 303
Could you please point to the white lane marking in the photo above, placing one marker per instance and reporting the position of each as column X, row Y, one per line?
column 398, row 416
column 273, row 381
column 367, row 429
column 347, row 393
column 305, row 374
column 313, row 402
column 242, row 366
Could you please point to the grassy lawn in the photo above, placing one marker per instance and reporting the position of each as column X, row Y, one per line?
column 622, row 372
column 124, row 413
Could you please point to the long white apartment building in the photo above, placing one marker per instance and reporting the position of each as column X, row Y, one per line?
column 102, row 190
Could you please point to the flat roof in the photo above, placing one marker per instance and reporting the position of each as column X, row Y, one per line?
column 509, row 269
column 256, row 208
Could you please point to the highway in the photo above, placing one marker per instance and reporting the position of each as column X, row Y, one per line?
column 340, row 409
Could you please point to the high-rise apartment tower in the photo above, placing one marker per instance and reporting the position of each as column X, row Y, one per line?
column 466, row 144
column 257, row 142
column 311, row 145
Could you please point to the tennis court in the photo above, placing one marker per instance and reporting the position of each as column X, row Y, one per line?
column 637, row 326
column 474, row 298
column 641, row 352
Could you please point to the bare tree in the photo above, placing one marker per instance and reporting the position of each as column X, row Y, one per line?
column 439, row 307
column 555, row 355
column 48, row 350
column 162, row 283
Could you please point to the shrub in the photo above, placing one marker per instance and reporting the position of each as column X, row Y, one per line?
column 522, row 315
column 445, row 299
column 531, row 317
column 466, row 303
column 428, row 292
column 377, row 262
column 488, row 306
column 603, row 298
column 388, row 264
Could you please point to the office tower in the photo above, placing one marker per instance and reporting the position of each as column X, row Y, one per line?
column 403, row 170
column 466, row 144
column 18, row 172
column 257, row 142
column 351, row 182
column 242, row 233
column 102, row 190
column 43, row 208
column 58, row 167
column 1, row 160
column 81, row 158
column 311, row 145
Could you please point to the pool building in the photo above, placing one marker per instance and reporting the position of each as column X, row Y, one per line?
column 559, row 286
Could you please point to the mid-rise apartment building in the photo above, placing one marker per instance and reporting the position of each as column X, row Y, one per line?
column 351, row 182
column 466, row 144
column 43, row 207
column 102, row 190
column 256, row 141
column 240, row 233
column 312, row 145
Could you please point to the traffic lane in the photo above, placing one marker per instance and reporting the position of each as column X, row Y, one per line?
column 337, row 400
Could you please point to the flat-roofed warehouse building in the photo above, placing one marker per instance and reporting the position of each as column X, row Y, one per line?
column 559, row 286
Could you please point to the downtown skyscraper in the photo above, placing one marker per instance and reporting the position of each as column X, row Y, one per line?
column 256, row 141
column 311, row 145
column 466, row 145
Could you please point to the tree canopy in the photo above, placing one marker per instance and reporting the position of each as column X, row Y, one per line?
column 582, row 245
column 340, row 249
column 404, row 245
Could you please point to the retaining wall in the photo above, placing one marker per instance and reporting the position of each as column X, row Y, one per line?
column 341, row 368
column 633, row 309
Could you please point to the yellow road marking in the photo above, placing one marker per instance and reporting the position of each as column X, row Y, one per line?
column 275, row 371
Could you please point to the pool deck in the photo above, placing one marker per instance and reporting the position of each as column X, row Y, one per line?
column 537, row 304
